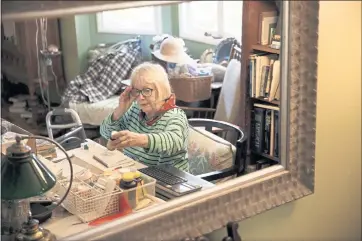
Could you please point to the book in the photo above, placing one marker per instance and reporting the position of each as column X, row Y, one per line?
column 270, row 76
column 275, row 80
column 261, row 74
column 276, row 134
column 264, row 79
column 259, row 123
column 267, row 128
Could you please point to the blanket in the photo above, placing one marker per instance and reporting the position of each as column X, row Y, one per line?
column 103, row 77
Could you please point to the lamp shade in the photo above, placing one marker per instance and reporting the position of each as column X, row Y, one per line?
column 23, row 175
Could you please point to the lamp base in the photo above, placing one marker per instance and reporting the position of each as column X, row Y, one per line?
column 32, row 232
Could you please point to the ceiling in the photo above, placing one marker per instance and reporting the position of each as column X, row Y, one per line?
column 23, row 10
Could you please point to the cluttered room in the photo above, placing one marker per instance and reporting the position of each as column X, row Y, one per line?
column 84, row 138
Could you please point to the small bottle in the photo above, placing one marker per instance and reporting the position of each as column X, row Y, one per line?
column 127, row 182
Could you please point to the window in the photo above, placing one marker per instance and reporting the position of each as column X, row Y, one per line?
column 221, row 18
column 143, row 20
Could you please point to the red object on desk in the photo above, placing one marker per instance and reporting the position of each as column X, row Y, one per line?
column 109, row 218
column 124, row 208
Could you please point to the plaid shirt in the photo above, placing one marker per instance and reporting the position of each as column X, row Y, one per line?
column 103, row 77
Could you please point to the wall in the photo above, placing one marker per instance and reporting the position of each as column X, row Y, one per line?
column 334, row 211
column 69, row 48
column 80, row 33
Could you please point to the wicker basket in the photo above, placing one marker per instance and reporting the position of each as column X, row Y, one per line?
column 191, row 89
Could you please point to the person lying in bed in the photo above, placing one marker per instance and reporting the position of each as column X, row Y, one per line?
column 147, row 124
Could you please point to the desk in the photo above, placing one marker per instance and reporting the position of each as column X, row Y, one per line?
column 63, row 223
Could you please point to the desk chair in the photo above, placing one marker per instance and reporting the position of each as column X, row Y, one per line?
column 211, row 156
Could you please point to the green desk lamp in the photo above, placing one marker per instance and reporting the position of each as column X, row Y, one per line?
column 23, row 176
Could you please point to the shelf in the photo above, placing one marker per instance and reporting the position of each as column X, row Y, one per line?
column 265, row 48
column 266, row 156
column 262, row 100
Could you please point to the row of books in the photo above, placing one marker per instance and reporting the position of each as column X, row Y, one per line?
column 265, row 130
column 264, row 76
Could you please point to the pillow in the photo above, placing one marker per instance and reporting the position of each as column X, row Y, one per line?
column 208, row 152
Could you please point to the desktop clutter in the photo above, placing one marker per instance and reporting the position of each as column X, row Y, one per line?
column 106, row 185
column 100, row 195
column 111, row 195
column 85, row 186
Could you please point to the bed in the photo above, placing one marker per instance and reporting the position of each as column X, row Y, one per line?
column 93, row 114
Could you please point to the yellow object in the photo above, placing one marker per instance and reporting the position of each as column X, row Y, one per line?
column 137, row 174
column 128, row 176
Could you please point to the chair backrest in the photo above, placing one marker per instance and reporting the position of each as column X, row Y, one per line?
column 235, row 52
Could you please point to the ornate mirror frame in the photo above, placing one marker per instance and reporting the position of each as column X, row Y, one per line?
column 249, row 195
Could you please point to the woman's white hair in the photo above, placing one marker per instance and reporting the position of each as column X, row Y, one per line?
column 155, row 74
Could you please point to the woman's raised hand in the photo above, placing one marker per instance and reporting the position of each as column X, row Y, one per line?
column 124, row 102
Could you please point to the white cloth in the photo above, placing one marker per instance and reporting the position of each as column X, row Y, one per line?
column 95, row 113
column 228, row 107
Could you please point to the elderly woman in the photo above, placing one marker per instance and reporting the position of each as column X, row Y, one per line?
column 147, row 124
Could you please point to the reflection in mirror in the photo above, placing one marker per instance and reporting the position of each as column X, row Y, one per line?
column 217, row 118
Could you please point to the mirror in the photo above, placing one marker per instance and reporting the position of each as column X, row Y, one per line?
column 246, row 51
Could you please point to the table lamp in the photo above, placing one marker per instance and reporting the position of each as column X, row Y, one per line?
column 23, row 176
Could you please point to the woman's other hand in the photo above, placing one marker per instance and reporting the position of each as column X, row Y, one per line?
column 126, row 138
column 124, row 102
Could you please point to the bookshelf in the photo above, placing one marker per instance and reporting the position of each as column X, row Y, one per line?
column 265, row 48
column 262, row 103
column 265, row 101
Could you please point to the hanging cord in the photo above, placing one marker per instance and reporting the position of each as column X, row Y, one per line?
column 38, row 62
column 42, row 67
column 44, row 34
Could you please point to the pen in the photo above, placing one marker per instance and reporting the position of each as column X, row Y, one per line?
column 100, row 161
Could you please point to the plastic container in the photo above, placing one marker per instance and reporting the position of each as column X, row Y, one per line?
column 85, row 200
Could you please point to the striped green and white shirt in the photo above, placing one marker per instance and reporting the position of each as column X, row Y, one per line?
column 167, row 137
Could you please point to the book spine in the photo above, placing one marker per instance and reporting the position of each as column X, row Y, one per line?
column 276, row 134
column 259, row 118
column 266, row 144
column 251, row 72
column 264, row 79
column 252, row 129
column 270, row 76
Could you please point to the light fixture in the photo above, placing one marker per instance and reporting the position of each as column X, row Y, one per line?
column 23, row 176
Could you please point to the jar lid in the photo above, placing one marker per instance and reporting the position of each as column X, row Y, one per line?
column 128, row 176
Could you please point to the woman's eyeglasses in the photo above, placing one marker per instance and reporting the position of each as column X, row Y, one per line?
column 146, row 92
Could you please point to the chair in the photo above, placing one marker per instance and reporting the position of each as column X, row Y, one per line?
column 211, row 156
